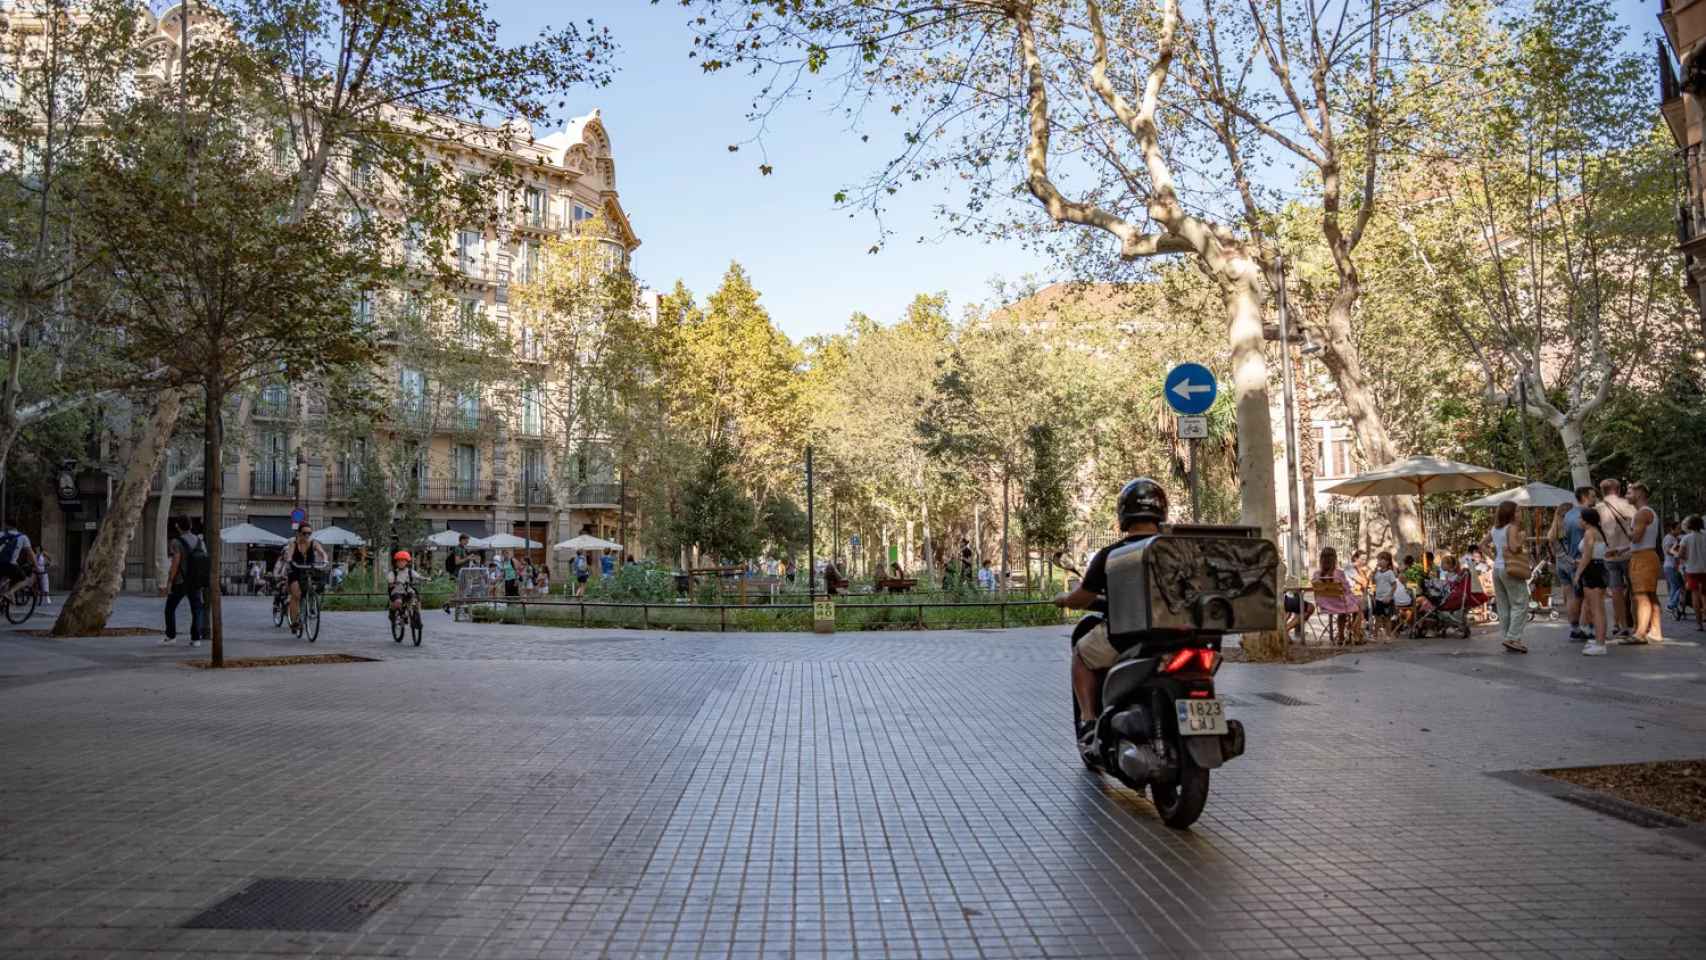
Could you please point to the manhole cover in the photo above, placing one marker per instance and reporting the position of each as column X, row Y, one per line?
column 1283, row 699
column 282, row 903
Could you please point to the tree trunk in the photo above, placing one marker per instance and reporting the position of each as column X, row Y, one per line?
column 1339, row 353
column 1006, row 555
column 1243, row 293
column 1308, row 464
column 1570, row 431
column 211, row 508
column 929, row 551
column 91, row 602
column 162, row 513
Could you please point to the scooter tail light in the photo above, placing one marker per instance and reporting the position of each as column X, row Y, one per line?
column 1203, row 659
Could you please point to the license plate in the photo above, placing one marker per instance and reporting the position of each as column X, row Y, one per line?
column 1201, row 718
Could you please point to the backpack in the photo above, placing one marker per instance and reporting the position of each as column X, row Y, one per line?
column 196, row 565
column 11, row 544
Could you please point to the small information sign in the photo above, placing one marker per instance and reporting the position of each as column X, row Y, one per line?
column 823, row 616
column 1193, row 428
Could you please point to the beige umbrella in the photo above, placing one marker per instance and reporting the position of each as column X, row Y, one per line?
column 587, row 541
column 1419, row 476
column 1535, row 495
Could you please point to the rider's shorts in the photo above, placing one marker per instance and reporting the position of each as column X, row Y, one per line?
column 1093, row 649
column 11, row 571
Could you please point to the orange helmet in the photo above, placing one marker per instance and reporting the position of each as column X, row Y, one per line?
column 401, row 556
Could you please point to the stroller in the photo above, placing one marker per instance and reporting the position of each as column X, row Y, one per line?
column 1443, row 608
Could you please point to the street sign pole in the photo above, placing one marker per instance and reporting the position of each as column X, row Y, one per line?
column 1191, row 472
column 1190, row 389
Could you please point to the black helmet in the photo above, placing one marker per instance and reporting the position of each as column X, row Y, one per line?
column 1142, row 499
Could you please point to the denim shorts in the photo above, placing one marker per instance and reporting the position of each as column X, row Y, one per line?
column 1617, row 574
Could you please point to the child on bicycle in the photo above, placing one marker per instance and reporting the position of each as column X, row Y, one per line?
column 403, row 580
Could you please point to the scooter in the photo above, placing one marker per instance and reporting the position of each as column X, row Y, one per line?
column 1162, row 727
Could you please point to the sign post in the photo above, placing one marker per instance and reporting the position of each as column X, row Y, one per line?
column 1190, row 390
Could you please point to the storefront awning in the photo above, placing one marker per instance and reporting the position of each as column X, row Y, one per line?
column 276, row 525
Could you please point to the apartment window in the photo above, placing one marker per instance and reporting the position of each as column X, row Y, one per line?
column 414, row 243
column 413, row 384
column 364, row 307
column 582, row 213
column 272, row 473
column 355, row 460
column 275, row 400
column 533, row 468
column 532, row 410
column 363, row 175
column 527, row 264
column 468, row 410
column 470, row 247
column 529, row 344
column 470, row 315
column 467, row 468
column 534, row 199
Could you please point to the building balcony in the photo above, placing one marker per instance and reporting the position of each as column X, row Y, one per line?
column 468, row 421
column 271, row 483
column 271, row 410
column 458, row 492
column 596, row 495
column 1691, row 209
column 542, row 221
column 193, row 482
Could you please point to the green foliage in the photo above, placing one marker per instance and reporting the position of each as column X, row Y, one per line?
column 782, row 524
column 716, row 516
column 1047, row 514
column 634, row 583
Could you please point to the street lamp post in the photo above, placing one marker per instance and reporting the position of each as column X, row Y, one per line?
column 1294, row 558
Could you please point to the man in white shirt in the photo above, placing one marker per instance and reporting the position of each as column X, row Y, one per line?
column 1617, row 518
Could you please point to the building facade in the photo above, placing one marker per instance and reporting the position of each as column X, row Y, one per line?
column 1682, row 87
column 489, row 459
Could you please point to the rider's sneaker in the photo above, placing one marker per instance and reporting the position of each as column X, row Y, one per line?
column 1594, row 649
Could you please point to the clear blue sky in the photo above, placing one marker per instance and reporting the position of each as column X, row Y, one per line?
column 696, row 206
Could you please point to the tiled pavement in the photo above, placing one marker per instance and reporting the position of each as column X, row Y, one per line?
column 552, row 793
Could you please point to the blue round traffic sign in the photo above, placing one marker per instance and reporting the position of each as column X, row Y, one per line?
column 298, row 515
column 1189, row 389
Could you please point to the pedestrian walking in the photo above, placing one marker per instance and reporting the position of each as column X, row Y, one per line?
column 187, row 580
column 1567, row 533
column 1644, row 565
column 1618, row 515
column 1693, row 561
column 43, row 561
column 512, row 581
column 1671, row 547
column 1592, row 576
column 1512, row 563
column 582, row 572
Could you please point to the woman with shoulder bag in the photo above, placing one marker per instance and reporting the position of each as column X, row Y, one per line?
column 1511, row 567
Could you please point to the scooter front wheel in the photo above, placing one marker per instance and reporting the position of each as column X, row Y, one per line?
column 1181, row 803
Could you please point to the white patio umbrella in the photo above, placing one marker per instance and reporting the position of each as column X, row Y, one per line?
column 504, row 541
column 587, row 541
column 445, row 538
column 1536, row 495
column 248, row 533
column 335, row 536
column 1419, row 476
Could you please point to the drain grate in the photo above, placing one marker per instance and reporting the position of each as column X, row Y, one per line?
column 1627, row 812
column 1283, row 699
column 283, row 903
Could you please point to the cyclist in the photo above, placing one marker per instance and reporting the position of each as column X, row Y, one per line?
column 403, row 580
column 17, row 560
column 303, row 553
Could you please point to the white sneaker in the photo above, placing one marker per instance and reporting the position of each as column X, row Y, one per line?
column 1594, row 649
column 195, row 643
column 167, row 641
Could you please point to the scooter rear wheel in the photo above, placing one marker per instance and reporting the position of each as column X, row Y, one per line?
column 1180, row 804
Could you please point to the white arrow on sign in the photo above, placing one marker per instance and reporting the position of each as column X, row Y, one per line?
column 1187, row 389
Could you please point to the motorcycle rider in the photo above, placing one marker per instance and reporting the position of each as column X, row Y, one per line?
column 1142, row 508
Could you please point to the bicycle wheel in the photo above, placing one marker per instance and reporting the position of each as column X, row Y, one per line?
column 23, row 605
column 415, row 622
column 398, row 623
column 311, row 616
column 278, row 610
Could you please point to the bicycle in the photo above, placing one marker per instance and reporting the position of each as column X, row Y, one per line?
column 280, row 602
column 407, row 617
column 24, row 600
column 310, row 607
